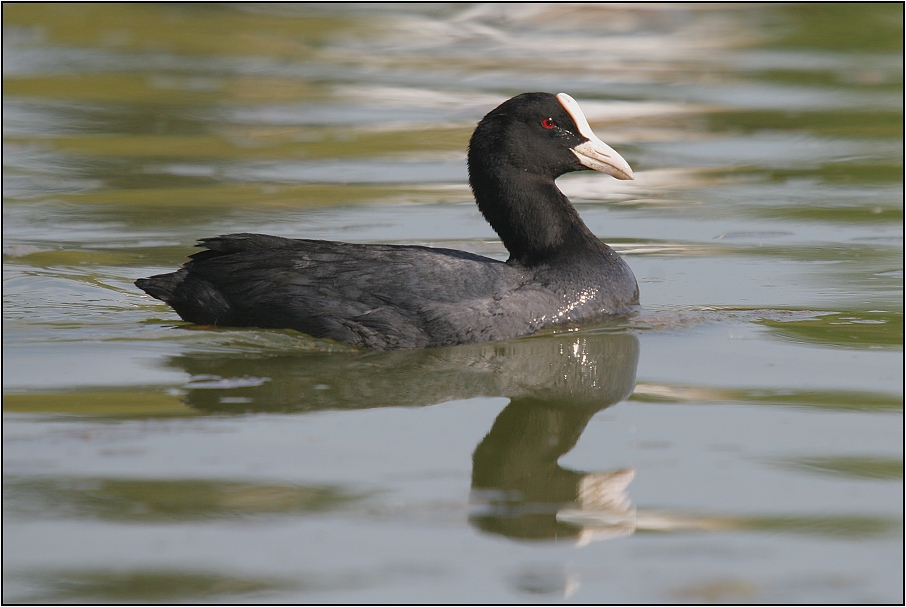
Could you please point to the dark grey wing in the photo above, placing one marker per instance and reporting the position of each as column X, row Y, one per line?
column 379, row 296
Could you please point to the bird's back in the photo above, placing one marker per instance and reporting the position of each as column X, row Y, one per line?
column 378, row 296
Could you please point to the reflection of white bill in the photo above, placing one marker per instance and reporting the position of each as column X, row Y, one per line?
column 605, row 511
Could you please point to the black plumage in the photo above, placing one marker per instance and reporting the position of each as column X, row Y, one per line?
column 392, row 296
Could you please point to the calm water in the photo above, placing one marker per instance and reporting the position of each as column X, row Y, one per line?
column 740, row 441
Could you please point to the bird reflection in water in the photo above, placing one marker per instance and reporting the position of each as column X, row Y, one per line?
column 519, row 490
column 556, row 383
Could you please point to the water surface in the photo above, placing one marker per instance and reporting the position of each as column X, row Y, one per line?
column 741, row 440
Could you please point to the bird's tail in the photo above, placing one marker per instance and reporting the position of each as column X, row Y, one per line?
column 194, row 298
column 161, row 286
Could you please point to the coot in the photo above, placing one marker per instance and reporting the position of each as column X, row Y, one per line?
column 397, row 296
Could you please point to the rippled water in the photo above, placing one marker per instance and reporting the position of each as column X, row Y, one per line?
column 739, row 441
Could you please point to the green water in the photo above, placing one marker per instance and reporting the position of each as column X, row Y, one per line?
column 739, row 441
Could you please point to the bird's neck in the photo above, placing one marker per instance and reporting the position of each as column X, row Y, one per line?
column 533, row 218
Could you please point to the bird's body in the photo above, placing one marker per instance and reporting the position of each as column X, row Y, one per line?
column 392, row 296
column 423, row 297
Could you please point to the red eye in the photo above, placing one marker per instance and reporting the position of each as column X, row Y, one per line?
column 548, row 123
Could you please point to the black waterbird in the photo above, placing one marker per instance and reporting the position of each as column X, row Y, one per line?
column 398, row 296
